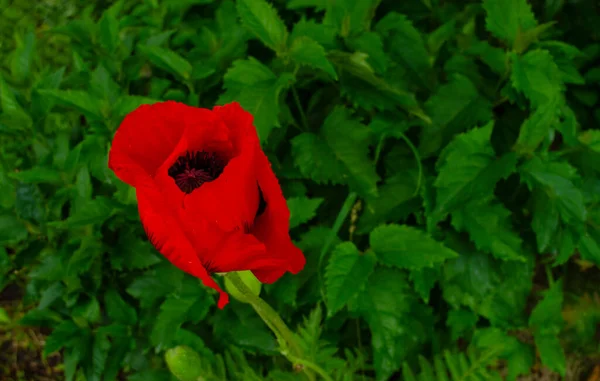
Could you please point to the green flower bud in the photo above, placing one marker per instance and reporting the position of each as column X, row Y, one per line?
column 249, row 280
column 184, row 363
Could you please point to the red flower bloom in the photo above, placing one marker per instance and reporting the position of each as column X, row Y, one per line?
column 207, row 196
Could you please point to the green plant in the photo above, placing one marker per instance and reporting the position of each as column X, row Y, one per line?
column 439, row 159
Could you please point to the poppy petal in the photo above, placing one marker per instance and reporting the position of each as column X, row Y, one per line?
column 272, row 227
column 145, row 139
column 170, row 240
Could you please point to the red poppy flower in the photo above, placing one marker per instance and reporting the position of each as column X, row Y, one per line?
column 207, row 196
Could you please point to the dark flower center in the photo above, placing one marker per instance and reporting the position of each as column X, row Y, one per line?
column 193, row 169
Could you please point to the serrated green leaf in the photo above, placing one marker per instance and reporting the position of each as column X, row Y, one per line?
column 306, row 51
column 371, row 44
column 173, row 312
column 95, row 211
column 109, row 31
column 338, row 154
column 61, row 336
column 117, row 309
column 260, row 18
column 506, row 19
column 538, row 126
column 257, row 89
column 302, row 209
column 536, row 76
column 488, row 225
column 396, row 198
column 346, row 274
column 168, row 60
column 406, row 247
column 398, row 322
column 321, row 33
column 546, row 321
column 556, row 180
column 407, row 47
column 461, row 322
column 455, row 106
column 469, row 170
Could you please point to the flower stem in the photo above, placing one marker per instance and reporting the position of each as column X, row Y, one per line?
column 300, row 110
column 284, row 335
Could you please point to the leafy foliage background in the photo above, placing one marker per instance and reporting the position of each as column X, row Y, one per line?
column 440, row 159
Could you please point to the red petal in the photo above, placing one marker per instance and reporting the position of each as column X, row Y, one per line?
column 167, row 235
column 272, row 227
column 145, row 139
column 231, row 200
column 154, row 134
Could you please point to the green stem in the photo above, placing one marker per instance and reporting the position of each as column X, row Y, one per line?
column 300, row 110
column 312, row 366
column 417, row 158
column 342, row 215
column 272, row 319
column 549, row 275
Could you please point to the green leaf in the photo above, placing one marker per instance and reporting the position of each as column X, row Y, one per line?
column 61, row 336
column 407, row 47
column 591, row 139
column 95, row 211
column 546, row 321
column 552, row 353
column 37, row 175
column 257, row 89
column 371, row 44
column 520, row 357
column 168, row 60
column 556, row 183
column 260, row 18
column 321, row 33
column 302, row 209
column 11, row 230
column 489, row 227
column 406, row 247
column 346, row 274
column 109, row 31
column 306, row 51
column 23, row 55
column 536, row 75
column 538, row 126
column 469, row 170
column 396, row 198
column 399, row 324
column 338, row 155
column 493, row 289
column 507, row 19
column 455, row 107
column 117, row 309
column 461, row 322
column 8, row 100
column 4, row 318
column 173, row 312
column 77, row 99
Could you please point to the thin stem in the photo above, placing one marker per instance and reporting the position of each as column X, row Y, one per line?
column 342, row 215
column 300, row 110
column 549, row 275
column 417, row 158
column 312, row 366
column 272, row 320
